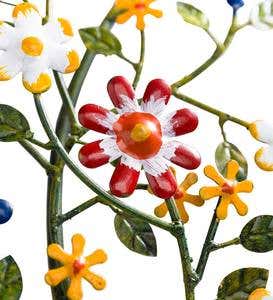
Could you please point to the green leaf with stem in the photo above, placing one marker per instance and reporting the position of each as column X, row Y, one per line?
column 227, row 151
column 241, row 283
column 13, row 125
column 136, row 235
column 192, row 15
column 101, row 41
column 11, row 284
column 257, row 235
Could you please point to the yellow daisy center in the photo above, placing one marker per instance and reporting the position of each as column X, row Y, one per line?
column 140, row 132
column 32, row 46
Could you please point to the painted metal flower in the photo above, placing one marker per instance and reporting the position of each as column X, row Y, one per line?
column 32, row 48
column 76, row 267
column 260, row 294
column 138, row 8
column 227, row 188
column 263, row 132
column 138, row 136
column 181, row 197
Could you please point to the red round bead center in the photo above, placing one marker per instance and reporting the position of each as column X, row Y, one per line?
column 138, row 134
column 78, row 265
column 140, row 6
column 228, row 188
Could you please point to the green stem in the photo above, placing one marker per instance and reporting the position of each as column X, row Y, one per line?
column 106, row 197
column 139, row 66
column 214, row 39
column 46, row 146
column 43, row 162
column 214, row 224
column 236, row 241
column 220, row 50
column 210, row 109
column 190, row 276
column 121, row 56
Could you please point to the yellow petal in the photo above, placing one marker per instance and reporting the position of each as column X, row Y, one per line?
column 232, row 169
column 154, row 12
column 124, row 17
column 97, row 281
column 74, row 61
column 24, row 8
column 245, row 186
column 212, row 173
column 78, row 243
column 56, row 252
column 54, row 277
column 182, row 211
column 254, row 131
column 161, row 210
column 75, row 289
column 222, row 208
column 98, row 257
column 140, row 22
column 190, row 180
column 240, row 206
column 195, row 200
column 258, row 294
column 208, row 192
column 66, row 26
column 264, row 159
column 42, row 84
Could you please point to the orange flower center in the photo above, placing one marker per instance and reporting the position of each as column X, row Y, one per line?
column 138, row 134
column 228, row 188
column 78, row 265
column 140, row 6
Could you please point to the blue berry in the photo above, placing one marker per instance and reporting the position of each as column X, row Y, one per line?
column 236, row 4
column 5, row 211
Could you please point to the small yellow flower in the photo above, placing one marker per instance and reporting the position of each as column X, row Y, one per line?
column 260, row 294
column 227, row 188
column 181, row 196
column 138, row 8
column 75, row 267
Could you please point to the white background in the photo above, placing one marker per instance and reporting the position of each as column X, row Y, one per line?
column 239, row 83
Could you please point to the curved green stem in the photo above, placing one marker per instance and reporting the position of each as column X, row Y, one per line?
column 210, row 109
column 46, row 146
column 220, row 50
column 139, row 66
column 233, row 242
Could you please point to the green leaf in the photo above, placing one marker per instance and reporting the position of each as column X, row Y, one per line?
column 192, row 15
column 13, row 125
column 100, row 40
column 241, row 283
column 257, row 235
column 136, row 235
column 226, row 152
column 11, row 284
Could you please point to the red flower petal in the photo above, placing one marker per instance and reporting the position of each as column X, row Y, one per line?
column 93, row 156
column 163, row 186
column 118, row 87
column 184, row 121
column 123, row 181
column 185, row 157
column 91, row 117
column 157, row 89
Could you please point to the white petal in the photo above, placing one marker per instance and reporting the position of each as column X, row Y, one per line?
column 110, row 148
column 131, row 162
column 26, row 14
column 6, row 35
column 267, row 298
column 262, row 131
column 59, row 31
column 10, row 65
column 129, row 105
column 156, row 166
column 264, row 158
column 154, row 106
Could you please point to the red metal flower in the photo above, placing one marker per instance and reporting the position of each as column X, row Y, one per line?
column 137, row 135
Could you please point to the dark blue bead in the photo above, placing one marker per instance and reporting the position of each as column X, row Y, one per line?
column 236, row 4
column 5, row 211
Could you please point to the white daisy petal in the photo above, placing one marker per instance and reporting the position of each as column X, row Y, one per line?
column 110, row 148
column 26, row 14
column 63, row 59
column 131, row 162
column 156, row 165
column 6, row 34
column 10, row 65
column 128, row 105
column 36, row 78
column 59, row 30
column 262, row 131
column 154, row 106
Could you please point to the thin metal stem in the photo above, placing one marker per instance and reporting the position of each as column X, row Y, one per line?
column 139, row 66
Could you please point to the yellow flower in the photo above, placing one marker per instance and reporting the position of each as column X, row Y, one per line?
column 138, row 8
column 227, row 188
column 181, row 196
column 75, row 267
column 260, row 294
